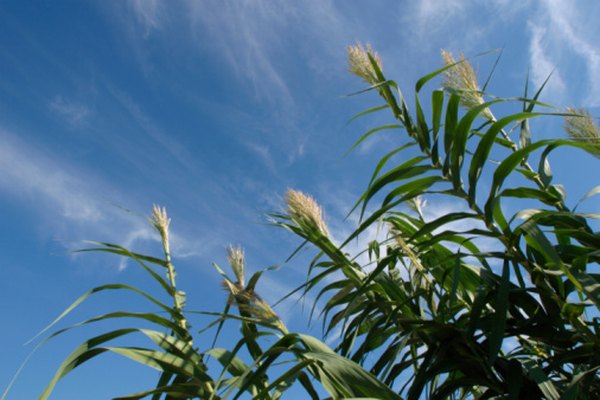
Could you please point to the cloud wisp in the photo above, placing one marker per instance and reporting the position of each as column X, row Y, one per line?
column 556, row 42
column 253, row 38
column 75, row 114
column 72, row 204
column 149, row 14
column 28, row 172
column 150, row 127
column 541, row 64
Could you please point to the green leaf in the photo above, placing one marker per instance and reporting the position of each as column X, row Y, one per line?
column 174, row 391
column 422, row 128
column 161, row 361
column 574, row 386
column 545, row 197
column 544, row 171
column 542, row 380
column 450, row 125
column 504, row 169
column 233, row 364
column 484, row 148
column 534, row 101
column 114, row 286
column 342, row 377
column 429, row 227
column 589, row 194
column 499, row 323
column 460, row 136
column 588, row 284
column 369, row 111
column 286, row 378
column 437, row 104
column 89, row 349
column 582, row 281
column 525, row 135
column 414, row 187
column 122, row 251
column 369, row 133
column 423, row 80
column 544, row 166
column 139, row 258
column 405, row 171
column 489, row 78
column 572, row 310
column 386, row 158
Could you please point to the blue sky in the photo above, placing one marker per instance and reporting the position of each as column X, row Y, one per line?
column 213, row 109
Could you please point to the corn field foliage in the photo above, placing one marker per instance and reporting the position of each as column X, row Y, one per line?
column 478, row 303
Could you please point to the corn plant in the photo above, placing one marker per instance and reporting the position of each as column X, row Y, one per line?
column 436, row 315
column 506, row 306
column 247, row 368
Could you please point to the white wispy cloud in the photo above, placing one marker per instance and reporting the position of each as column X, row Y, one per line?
column 561, row 38
column 565, row 19
column 139, row 233
column 149, row 13
column 72, row 204
column 73, row 112
column 468, row 26
column 29, row 173
column 150, row 127
column 449, row 24
column 254, row 44
column 263, row 153
column 432, row 14
column 258, row 39
column 542, row 65
column 245, row 34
